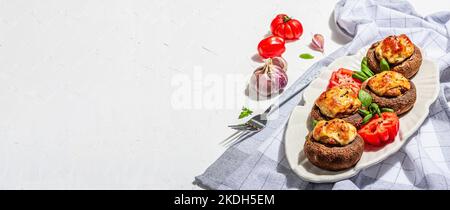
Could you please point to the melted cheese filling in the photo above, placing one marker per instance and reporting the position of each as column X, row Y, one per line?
column 389, row 84
column 334, row 132
column 339, row 100
column 395, row 49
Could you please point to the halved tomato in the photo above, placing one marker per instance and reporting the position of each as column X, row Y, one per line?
column 380, row 130
column 344, row 77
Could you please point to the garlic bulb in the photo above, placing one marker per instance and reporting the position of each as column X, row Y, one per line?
column 271, row 78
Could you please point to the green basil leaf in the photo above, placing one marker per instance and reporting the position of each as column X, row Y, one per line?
column 367, row 118
column 373, row 107
column 306, row 56
column 387, row 110
column 362, row 75
column 367, row 71
column 359, row 77
column 245, row 112
column 364, row 62
column 314, row 123
column 365, row 98
column 384, row 65
column 364, row 112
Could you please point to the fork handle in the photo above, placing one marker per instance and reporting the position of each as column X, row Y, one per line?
column 275, row 106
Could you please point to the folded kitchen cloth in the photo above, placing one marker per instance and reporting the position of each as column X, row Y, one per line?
column 423, row 163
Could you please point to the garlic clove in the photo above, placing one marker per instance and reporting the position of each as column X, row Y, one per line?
column 317, row 42
column 281, row 62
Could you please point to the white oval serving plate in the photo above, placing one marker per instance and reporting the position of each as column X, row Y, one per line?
column 427, row 85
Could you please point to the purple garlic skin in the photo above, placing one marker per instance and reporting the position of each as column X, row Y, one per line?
column 317, row 43
column 269, row 79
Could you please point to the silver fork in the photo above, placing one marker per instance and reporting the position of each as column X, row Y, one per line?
column 258, row 122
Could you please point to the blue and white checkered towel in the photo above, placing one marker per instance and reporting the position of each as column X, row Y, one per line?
column 423, row 163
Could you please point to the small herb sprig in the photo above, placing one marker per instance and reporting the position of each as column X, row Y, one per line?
column 306, row 56
column 245, row 112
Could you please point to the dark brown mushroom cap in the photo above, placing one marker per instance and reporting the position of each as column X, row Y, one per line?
column 333, row 158
column 408, row 68
column 400, row 104
column 355, row 119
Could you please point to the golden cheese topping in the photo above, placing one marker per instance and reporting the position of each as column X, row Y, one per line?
column 395, row 49
column 334, row 132
column 338, row 101
column 389, row 84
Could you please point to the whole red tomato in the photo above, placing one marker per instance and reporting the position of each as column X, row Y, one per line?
column 272, row 46
column 286, row 27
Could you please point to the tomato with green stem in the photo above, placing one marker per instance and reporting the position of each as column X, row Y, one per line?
column 286, row 27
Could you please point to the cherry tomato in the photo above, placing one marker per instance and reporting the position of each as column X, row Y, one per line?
column 344, row 77
column 272, row 46
column 380, row 130
column 286, row 27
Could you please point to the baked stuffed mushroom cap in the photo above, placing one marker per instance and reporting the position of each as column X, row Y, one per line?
column 334, row 145
column 402, row 55
column 390, row 89
column 338, row 102
column 355, row 119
